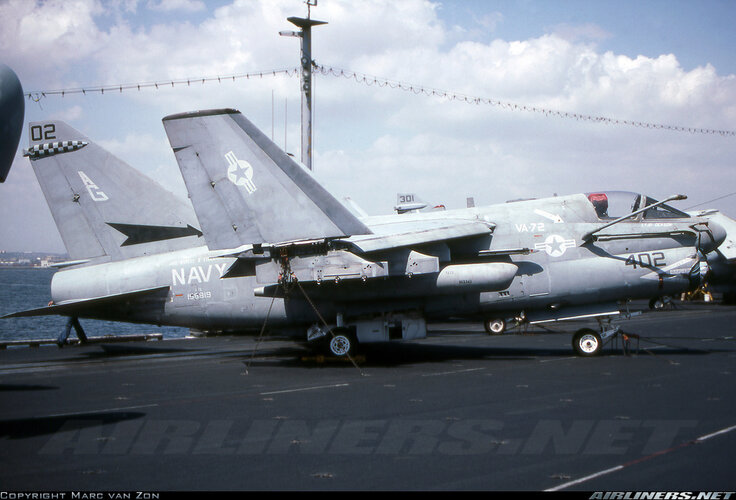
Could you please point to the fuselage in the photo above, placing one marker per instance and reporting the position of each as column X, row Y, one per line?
column 533, row 259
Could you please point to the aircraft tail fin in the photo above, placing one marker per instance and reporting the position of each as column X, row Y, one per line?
column 101, row 205
column 245, row 189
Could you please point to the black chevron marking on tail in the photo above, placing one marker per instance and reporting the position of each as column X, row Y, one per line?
column 138, row 234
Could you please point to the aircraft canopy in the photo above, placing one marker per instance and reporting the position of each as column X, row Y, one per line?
column 611, row 205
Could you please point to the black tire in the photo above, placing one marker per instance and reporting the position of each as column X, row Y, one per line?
column 341, row 344
column 494, row 326
column 587, row 343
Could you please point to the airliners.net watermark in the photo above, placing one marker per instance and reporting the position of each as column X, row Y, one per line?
column 662, row 495
column 142, row 436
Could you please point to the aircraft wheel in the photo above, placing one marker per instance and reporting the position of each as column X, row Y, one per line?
column 495, row 326
column 658, row 303
column 341, row 344
column 587, row 342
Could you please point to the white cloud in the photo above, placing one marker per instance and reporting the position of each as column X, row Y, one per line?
column 150, row 155
column 27, row 224
column 581, row 32
column 490, row 21
column 374, row 141
column 173, row 5
column 38, row 37
column 68, row 114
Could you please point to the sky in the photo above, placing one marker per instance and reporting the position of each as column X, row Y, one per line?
column 656, row 62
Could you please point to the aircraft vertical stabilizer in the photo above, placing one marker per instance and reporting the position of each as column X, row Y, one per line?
column 245, row 189
column 101, row 205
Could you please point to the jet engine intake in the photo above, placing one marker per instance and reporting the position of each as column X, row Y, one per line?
column 711, row 237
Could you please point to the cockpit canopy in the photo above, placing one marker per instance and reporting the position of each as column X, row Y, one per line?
column 611, row 205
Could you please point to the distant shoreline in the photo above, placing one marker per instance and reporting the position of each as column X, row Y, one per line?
column 26, row 267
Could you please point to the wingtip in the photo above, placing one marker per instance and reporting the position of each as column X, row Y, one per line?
column 200, row 113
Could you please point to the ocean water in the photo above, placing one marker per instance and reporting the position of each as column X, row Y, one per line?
column 23, row 289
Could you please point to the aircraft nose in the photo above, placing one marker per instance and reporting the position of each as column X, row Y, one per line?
column 712, row 238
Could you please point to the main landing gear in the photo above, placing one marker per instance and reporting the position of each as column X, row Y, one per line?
column 341, row 344
column 587, row 342
column 338, row 342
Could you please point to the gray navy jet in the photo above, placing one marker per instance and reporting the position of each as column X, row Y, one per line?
column 270, row 246
column 722, row 260
column 12, row 110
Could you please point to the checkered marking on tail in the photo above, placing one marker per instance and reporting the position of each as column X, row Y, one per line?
column 52, row 148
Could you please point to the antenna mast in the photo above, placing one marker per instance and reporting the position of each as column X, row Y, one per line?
column 306, row 77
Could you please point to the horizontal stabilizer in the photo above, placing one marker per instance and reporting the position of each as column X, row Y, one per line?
column 245, row 189
column 83, row 307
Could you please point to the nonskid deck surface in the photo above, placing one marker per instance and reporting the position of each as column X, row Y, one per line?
column 460, row 410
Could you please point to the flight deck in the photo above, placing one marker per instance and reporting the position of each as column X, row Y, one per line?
column 459, row 410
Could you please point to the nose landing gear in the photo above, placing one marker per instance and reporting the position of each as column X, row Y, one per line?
column 495, row 326
column 587, row 342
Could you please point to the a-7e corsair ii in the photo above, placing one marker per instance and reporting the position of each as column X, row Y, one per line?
column 280, row 249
